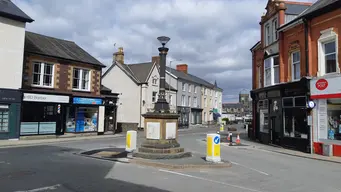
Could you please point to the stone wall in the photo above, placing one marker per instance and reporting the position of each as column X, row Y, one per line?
column 124, row 127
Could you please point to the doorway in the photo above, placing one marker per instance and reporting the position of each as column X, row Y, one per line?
column 110, row 119
column 274, row 132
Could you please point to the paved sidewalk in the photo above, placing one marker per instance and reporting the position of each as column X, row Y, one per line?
column 259, row 146
column 17, row 143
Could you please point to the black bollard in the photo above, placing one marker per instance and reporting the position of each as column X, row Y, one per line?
column 231, row 139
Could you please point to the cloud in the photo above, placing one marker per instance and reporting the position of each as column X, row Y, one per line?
column 212, row 36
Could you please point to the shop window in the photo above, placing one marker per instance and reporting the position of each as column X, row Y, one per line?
column 81, row 119
column 264, row 121
column 334, row 119
column 81, row 79
column 42, row 74
column 288, row 102
column 300, row 101
column 295, row 123
column 4, row 112
column 296, row 66
column 38, row 119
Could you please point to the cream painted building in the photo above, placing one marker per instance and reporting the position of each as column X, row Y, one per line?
column 211, row 101
column 138, row 88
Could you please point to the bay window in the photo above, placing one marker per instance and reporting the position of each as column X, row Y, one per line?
column 42, row 74
column 267, row 35
column 276, row 69
column 81, row 79
column 271, row 71
column 267, row 72
column 295, row 65
column 274, row 29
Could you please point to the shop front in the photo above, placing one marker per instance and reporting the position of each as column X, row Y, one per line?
column 183, row 121
column 326, row 95
column 280, row 115
column 196, row 114
column 43, row 114
column 10, row 105
column 83, row 115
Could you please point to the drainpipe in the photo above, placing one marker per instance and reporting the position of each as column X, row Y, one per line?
column 306, row 39
column 306, row 33
column 141, row 103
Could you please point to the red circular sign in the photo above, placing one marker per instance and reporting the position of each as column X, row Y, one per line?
column 321, row 84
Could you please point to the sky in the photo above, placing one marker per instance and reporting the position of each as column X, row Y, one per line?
column 213, row 37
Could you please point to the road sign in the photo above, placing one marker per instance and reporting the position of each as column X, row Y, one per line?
column 216, row 139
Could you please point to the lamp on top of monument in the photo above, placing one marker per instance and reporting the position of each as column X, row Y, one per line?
column 163, row 40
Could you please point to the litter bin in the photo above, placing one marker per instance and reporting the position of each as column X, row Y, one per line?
column 327, row 150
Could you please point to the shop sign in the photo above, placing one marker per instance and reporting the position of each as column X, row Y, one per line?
column 325, row 88
column 321, row 84
column 87, row 101
column 46, row 98
column 10, row 96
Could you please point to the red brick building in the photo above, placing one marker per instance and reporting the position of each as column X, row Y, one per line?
column 310, row 48
column 273, row 94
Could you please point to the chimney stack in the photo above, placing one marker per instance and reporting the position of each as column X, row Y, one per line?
column 156, row 59
column 182, row 68
column 119, row 56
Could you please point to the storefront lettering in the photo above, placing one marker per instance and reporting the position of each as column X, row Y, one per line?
column 321, row 84
column 34, row 97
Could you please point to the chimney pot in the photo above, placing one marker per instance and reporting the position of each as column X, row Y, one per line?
column 182, row 68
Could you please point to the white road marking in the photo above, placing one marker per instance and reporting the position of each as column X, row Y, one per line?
column 209, row 180
column 261, row 172
column 48, row 188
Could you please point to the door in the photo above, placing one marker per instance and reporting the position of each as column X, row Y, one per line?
column 110, row 119
column 274, row 132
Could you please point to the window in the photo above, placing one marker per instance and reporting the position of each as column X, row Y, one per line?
column 183, row 86
column 216, row 94
column 42, row 74
column 195, row 89
column 296, row 69
column 154, row 81
column 4, row 112
column 195, row 102
column 170, row 99
column 81, row 79
column 205, row 91
column 189, row 87
column 327, row 52
column 274, row 30
column 183, row 102
column 205, row 102
column 330, row 56
column 216, row 104
column 276, row 69
column 154, row 96
column 267, row 72
column 267, row 35
column 211, row 92
column 189, row 101
column 211, row 102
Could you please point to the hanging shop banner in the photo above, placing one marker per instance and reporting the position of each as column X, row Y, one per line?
column 87, row 101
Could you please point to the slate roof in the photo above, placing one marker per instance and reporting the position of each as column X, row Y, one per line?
column 59, row 48
column 141, row 70
column 191, row 78
column 319, row 7
column 232, row 105
column 9, row 10
column 295, row 9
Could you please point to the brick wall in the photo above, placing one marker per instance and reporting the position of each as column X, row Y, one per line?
column 63, row 74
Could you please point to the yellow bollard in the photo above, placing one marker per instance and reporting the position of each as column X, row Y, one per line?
column 213, row 148
column 131, row 141
column 221, row 127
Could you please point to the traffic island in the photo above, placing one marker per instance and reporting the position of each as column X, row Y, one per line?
column 161, row 133
column 112, row 154
column 193, row 162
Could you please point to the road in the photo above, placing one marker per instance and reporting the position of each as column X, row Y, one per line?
column 55, row 168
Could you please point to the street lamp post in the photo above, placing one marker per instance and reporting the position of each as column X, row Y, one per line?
column 162, row 105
